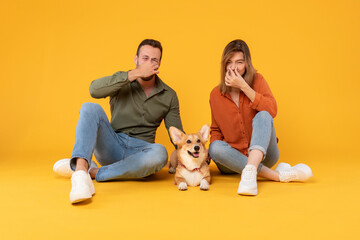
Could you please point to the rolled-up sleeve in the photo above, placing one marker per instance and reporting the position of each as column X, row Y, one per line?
column 264, row 99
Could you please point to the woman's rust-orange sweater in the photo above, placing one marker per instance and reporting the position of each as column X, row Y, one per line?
column 233, row 124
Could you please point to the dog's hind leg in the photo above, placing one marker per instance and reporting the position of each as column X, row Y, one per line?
column 173, row 162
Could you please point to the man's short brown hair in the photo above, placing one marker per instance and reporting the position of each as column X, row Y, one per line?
column 150, row 42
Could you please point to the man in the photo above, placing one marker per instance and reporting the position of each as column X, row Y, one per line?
column 139, row 101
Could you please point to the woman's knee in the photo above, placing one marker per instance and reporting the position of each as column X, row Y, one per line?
column 217, row 149
column 263, row 115
column 262, row 119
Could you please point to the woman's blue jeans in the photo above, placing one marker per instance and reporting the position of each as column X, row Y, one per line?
column 263, row 137
column 121, row 156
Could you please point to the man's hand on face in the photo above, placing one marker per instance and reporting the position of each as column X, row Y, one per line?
column 144, row 70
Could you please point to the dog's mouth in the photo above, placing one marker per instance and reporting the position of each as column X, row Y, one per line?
column 194, row 154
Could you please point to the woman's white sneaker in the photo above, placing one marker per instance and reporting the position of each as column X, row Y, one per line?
column 298, row 173
column 248, row 183
column 62, row 167
column 80, row 187
column 282, row 166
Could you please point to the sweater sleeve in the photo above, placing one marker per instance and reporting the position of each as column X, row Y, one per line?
column 264, row 99
column 215, row 131
column 108, row 86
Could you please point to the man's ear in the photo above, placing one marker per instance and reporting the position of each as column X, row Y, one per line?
column 135, row 59
column 175, row 135
column 204, row 132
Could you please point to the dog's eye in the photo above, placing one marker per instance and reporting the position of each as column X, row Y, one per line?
column 198, row 141
column 188, row 141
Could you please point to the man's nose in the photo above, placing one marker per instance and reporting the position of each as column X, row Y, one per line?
column 196, row 148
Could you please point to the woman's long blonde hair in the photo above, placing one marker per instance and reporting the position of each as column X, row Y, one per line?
column 233, row 47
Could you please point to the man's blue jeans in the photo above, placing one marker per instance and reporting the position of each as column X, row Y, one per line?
column 121, row 156
column 230, row 160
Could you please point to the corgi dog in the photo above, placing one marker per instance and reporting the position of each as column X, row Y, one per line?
column 190, row 158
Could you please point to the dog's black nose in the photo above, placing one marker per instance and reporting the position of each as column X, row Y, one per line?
column 196, row 148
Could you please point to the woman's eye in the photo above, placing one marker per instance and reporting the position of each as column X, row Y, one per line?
column 188, row 141
column 198, row 141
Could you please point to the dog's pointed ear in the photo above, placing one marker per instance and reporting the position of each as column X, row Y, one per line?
column 204, row 132
column 175, row 135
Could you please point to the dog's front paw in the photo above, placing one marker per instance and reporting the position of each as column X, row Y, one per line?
column 204, row 185
column 172, row 170
column 182, row 186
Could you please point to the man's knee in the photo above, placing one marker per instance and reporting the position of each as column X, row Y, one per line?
column 90, row 108
column 159, row 155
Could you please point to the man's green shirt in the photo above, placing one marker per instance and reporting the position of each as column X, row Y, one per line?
column 132, row 112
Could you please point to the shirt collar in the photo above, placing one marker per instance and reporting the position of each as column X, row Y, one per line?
column 159, row 86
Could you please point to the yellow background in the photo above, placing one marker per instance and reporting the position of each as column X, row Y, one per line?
column 308, row 51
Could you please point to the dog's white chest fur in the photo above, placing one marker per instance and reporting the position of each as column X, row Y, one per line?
column 193, row 178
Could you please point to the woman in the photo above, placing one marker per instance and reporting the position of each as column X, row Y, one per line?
column 243, row 138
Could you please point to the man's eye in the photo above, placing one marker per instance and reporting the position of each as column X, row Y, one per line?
column 198, row 141
column 188, row 141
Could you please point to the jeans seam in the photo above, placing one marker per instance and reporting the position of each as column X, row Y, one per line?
column 112, row 130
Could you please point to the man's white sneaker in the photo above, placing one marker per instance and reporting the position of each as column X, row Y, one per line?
column 248, row 183
column 62, row 167
column 80, row 187
column 298, row 173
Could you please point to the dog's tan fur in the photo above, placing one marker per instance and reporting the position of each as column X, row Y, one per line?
column 189, row 160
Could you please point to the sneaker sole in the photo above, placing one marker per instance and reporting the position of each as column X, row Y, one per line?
column 247, row 191
column 79, row 198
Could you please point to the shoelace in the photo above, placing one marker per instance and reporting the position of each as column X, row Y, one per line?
column 289, row 174
column 249, row 175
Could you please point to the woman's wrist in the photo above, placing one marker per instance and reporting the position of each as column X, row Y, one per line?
column 243, row 86
column 249, row 92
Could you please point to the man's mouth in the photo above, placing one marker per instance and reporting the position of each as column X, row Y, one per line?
column 194, row 154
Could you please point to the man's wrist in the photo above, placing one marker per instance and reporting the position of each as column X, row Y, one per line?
column 133, row 74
